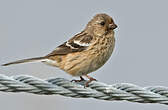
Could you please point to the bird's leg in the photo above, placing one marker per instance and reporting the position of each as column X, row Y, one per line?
column 90, row 80
column 81, row 79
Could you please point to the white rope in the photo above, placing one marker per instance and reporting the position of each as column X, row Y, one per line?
column 122, row 91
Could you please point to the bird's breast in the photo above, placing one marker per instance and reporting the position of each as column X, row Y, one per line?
column 103, row 52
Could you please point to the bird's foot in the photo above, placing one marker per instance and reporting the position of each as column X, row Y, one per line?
column 81, row 79
column 90, row 80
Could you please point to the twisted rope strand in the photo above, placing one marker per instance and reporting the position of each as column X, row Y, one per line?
column 98, row 90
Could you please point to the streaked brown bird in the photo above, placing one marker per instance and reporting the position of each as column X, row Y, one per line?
column 85, row 52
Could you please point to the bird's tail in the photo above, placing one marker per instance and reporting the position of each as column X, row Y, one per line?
column 38, row 59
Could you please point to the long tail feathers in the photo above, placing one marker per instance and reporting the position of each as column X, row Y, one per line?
column 26, row 60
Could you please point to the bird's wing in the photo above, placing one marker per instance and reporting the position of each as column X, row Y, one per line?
column 78, row 43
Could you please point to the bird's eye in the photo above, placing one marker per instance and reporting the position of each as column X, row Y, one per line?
column 102, row 23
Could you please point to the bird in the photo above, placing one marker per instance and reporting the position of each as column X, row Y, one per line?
column 85, row 52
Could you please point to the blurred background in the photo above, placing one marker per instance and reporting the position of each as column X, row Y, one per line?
column 30, row 28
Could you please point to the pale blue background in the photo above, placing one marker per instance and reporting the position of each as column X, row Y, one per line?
column 31, row 28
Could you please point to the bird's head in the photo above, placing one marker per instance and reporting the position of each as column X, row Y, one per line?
column 101, row 24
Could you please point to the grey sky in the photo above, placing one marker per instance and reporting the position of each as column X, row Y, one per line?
column 30, row 28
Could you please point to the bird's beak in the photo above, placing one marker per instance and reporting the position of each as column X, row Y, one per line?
column 112, row 26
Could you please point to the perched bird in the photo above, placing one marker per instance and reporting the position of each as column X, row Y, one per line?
column 85, row 52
